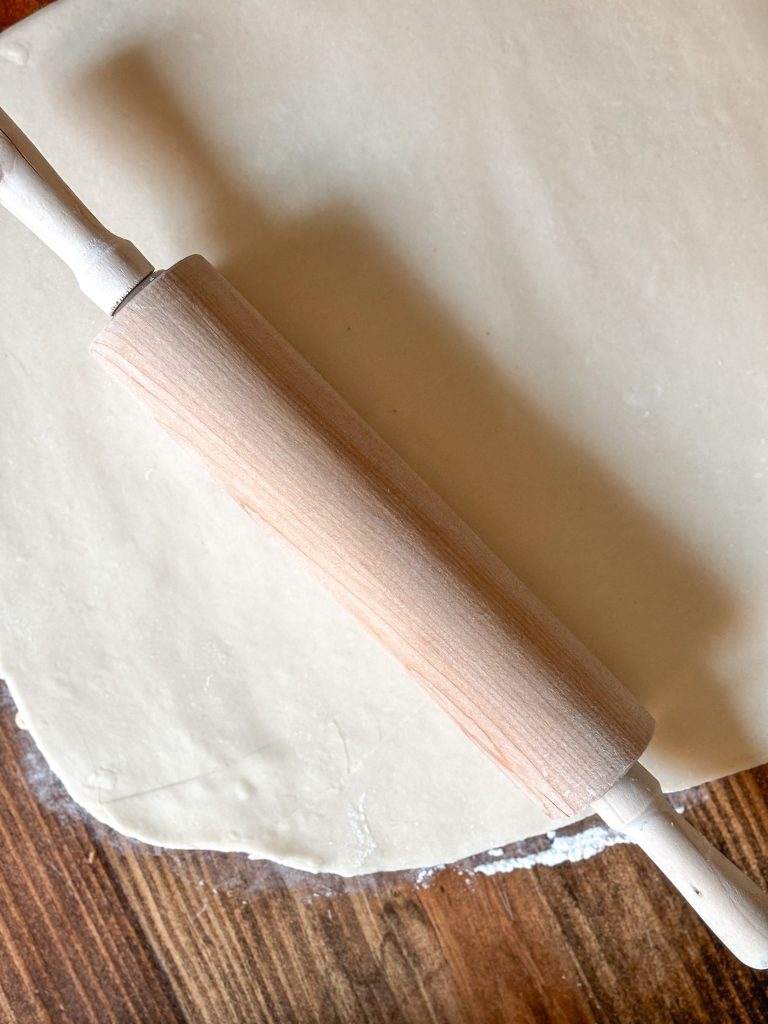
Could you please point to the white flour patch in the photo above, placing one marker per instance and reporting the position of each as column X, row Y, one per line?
column 564, row 849
column 425, row 875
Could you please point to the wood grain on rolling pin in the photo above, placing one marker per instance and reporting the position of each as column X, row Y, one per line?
column 293, row 453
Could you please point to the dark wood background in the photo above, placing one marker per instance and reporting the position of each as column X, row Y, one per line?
column 98, row 928
column 15, row 10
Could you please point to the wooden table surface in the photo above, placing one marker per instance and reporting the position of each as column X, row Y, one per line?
column 99, row 928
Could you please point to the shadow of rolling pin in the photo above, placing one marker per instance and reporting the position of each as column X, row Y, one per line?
column 217, row 377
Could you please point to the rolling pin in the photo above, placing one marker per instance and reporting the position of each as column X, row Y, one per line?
column 291, row 451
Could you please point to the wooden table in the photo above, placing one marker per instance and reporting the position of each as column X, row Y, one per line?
column 98, row 928
column 15, row 10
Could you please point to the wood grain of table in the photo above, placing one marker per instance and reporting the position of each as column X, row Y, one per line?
column 14, row 10
column 96, row 927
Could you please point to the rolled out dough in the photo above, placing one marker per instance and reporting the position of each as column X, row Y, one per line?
column 528, row 242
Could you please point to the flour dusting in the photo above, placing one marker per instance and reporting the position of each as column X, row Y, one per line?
column 425, row 875
column 563, row 849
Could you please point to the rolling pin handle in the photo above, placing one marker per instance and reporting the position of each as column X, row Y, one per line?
column 728, row 902
column 107, row 267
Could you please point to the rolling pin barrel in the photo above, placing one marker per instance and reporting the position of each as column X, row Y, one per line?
column 295, row 455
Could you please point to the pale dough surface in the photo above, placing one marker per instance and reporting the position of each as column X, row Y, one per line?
column 528, row 241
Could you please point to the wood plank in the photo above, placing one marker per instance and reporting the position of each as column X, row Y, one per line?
column 71, row 938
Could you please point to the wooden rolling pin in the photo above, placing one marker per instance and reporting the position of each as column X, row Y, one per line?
column 294, row 454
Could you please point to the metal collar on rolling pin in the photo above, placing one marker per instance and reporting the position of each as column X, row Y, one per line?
column 513, row 678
